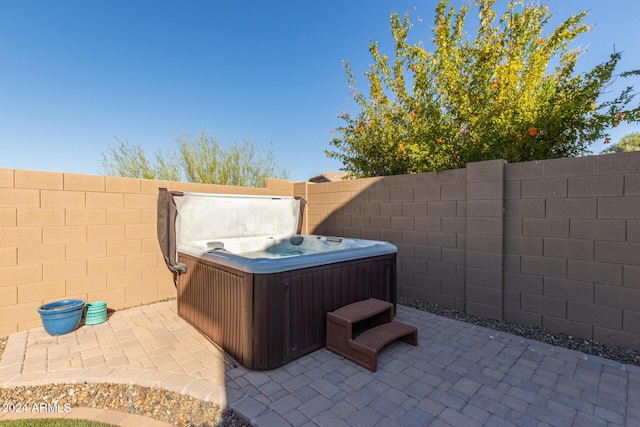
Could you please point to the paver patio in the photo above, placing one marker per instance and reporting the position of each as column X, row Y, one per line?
column 459, row 374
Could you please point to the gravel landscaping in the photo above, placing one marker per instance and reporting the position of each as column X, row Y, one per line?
column 183, row 410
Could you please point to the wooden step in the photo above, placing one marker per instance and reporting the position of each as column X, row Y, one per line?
column 376, row 338
column 362, row 310
column 358, row 331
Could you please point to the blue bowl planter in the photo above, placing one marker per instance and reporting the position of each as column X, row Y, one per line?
column 61, row 317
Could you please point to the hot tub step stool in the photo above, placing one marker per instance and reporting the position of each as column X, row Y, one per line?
column 360, row 330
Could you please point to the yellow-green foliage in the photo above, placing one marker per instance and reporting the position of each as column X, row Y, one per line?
column 494, row 97
column 202, row 160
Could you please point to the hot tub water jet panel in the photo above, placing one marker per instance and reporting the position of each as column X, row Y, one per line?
column 248, row 280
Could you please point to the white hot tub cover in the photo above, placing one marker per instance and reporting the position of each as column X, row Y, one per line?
column 188, row 217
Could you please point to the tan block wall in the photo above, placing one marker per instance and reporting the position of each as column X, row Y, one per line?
column 84, row 236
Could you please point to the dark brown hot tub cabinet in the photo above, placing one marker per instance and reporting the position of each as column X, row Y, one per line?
column 266, row 319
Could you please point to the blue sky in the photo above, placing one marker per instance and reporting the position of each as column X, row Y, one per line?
column 76, row 74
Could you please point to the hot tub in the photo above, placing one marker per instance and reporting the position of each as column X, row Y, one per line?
column 248, row 280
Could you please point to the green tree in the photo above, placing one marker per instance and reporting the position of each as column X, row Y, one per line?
column 629, row 142
column 496, row 97
column 202, row 160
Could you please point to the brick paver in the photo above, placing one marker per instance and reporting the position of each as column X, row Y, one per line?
column 460, row 374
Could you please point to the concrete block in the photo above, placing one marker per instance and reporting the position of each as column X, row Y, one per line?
column 38, row 180
column 7, row 177
column 105, row 232
column 491, row 170
column 608, row 317
column 429, row 253
column 414, row 209
column 617, row 296
column 617, row 338
column 453, row 256
column 428, row 283
column 631, row 322
column 524, row 170
column 523, row 317
column 402, row 194
column 451, row 176
column 475, row 308
column 140, row 231
column 8, row 256
column 443, row 240
column 40, row 291
column 116, row 184
column 484, row 295
column 379, row 195
column 86, row 216
column 618, row 163
column 572, row 208
column 525, row 208
column 484, row 243
column 544, row 188
column 41, row 253
column 618, row 252
column 85, row 284
column 20, row 236
column 19, row 198
column 544, row 266
column 545, row 305
column 575, row 290
column 64, row 269
column 441, row 270
column 61, row 199
column 486, row 208
column 64, row 234
column 488, row 261
column 526, row 283
column 427, row 193
column 411, row 265
column 569, row 248
column 523, row 245
column 441, row 209
column 591, row 271
column 512, row 227
column 391, row 209
column 545, row 227
column 360, row 221
column 453, row 224
column 414, row 237
column 570, row 166
column 598, row 229
column 482, row 225
column 631, row 276
column 569, row 327
column 105, row 265
column 8, row 217
column 619, row 208
column 80, row 182
column 380, row 222
column 427, row 223
column 512, row 190
column 20, row 274
column 370, row 209
column 485, row 190
column 484, row 278
column 401, row 223
column 596, row 186
column 632, row 185
column 511, row 300
column 633, row 231
column 453, row 192
column 140, row 201
column 34, row 217
column 511, row 263
column 461, row 208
